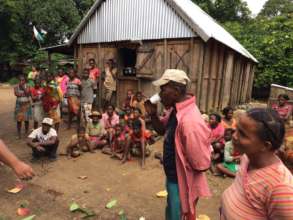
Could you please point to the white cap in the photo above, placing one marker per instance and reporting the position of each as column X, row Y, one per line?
column 47, row 121
column 175, row 75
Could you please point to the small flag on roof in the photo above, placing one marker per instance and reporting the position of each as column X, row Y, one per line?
column 37, row 35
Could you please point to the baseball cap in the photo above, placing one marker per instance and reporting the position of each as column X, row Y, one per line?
column 47, row 121
column 175, row 75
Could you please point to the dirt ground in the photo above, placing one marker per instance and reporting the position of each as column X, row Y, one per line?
column 56, row 185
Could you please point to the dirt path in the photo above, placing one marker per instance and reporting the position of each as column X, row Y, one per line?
column 56, row 184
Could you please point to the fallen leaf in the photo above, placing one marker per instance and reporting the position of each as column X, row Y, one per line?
column 122, row 215
column 82, row 177
column 23, row 211
column 203, row 217
column 111, row 204
column 29, row 217
column 16, row 189
column 74, row 207
column 88, row 213
column 162, row 194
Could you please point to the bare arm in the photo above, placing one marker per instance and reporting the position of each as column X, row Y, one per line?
column 151, row 109
column 21, row 169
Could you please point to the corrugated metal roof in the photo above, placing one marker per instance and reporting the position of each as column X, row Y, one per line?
column 206, row 27
column 118, row 20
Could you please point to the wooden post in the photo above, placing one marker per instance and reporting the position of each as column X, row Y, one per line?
column 228, row 72
column 100, row 80
column 165, row 54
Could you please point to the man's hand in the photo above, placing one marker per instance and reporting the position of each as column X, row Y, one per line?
column 150, row 108
column 40, row 148
column 23, row 171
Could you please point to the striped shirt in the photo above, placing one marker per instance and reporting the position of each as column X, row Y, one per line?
column 265, row 193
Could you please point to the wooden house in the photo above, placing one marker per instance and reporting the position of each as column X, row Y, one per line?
column 146, row 37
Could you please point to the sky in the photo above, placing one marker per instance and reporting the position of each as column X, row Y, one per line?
column 255, row 5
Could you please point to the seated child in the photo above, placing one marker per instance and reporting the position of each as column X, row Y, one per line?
column 118, row 142
column 283, row 108
column 128, row 113
column 96, row 131
column 138, row 102
column 217, row 137
column 137, row 143
column 129, row 98
column 231, row 158
column 79, row 142
column 148, row 134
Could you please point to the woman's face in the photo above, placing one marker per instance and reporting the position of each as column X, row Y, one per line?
column 245, row 139
column 282, row 101
column 110, row 110
column 213, row 121
column 229, row 115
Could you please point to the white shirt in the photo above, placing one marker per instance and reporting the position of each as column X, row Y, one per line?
column 38, row 134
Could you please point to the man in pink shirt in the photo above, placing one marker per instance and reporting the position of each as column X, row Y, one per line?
column 186, row 153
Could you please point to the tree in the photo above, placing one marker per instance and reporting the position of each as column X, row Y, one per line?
column 225, row 10
column 274, row 8
column 83, row 6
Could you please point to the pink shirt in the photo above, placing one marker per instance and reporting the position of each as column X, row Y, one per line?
column 193, row 153
column 62, row 82
column 283, row 111
column 110, row 123
column 261, row 194
column 218, row 133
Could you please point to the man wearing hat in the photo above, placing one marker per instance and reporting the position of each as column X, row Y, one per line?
column 44, row 140
column 96, row 131
column 186, row 149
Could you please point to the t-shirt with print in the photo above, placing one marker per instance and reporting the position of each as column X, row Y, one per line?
column 38, row 135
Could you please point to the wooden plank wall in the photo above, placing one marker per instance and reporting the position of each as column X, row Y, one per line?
column 219, row 76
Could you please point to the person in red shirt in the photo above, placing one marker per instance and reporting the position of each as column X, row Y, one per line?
column 94, row 71
column 283, row 108
column 37, row 94
column 187, row 151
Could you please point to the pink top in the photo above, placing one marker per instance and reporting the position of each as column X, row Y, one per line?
column 193, row 154
column 62, row 82
column 110, row 123
column 260, row 194
column 94, row 73
column 218, row 133
column 283, row 111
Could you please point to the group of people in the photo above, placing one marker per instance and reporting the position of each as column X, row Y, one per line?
column 38, row 96
column 263, row 187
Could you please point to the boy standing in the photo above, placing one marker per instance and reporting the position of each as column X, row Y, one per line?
column 87, row 95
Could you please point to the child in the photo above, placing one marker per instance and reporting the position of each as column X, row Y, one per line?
column 128, row 113
column 23, row 109
column 231, row 158
column 217, row 137
column 73, row 97
column 129, row 98
column 87, row 95
column 137, row 144
column 79, row 142
column 283, row 108
column 139, row 103
column 37, row 93
column 118, row 142
column 96, row 131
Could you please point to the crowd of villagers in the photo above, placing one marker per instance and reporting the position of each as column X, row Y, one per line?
column 121, row 133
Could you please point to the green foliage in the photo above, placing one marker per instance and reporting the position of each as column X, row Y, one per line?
column 269, row 36
column 225, row 10
column 277, row 7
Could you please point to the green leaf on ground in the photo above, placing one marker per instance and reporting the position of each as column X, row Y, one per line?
column 111, row 204
column 74, row 207
column 29, row 217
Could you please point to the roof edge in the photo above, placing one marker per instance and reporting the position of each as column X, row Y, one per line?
column 84, row 21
